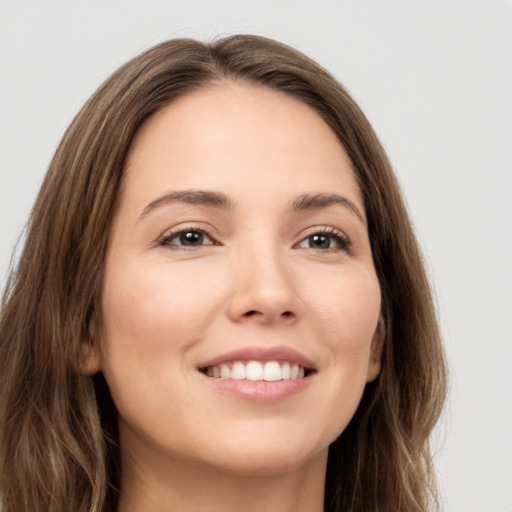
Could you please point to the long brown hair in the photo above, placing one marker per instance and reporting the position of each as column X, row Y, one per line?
column 58, row 437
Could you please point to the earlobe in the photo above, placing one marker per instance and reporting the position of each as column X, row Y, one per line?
column 90, row 360
column 377, row 346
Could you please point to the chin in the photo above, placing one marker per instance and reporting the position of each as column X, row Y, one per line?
column 265, row 454
column 265, row 464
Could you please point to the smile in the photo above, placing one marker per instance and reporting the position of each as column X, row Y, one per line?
column 257, row 370
column 263, row 375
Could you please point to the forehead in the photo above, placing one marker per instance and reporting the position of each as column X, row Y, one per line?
column 239, row 138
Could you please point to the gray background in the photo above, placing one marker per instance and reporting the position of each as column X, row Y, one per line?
column 435, row 79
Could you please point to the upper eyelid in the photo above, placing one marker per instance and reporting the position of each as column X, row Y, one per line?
column 329, row 230
column 189, row 226
column 211, row 233
column 344, row 242
column 173, row 232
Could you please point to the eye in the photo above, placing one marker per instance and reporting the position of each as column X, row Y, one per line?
column 186, row 238
column 329, row 239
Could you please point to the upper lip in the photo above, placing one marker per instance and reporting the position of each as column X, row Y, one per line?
column 255, row 353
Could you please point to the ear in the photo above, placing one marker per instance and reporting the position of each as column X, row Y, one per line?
column 90, row 359
column 374, row 363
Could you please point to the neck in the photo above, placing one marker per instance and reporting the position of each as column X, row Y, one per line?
column 195, row 488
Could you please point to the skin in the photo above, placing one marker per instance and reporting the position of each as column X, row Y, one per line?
column 257, row 280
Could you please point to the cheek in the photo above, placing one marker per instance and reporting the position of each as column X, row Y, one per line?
column 347, row 316
column 159, row 304
column 348, row 309
column 152, row 315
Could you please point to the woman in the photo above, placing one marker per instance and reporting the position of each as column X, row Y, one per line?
column 221, row 303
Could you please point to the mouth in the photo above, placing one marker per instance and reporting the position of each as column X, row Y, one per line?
column 262, row 375
column 257, row 363
column 256, row 370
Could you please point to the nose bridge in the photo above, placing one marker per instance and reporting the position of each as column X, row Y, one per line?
column 264, row 286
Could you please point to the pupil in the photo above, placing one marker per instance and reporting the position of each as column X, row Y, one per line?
column 319, row 241
column 191, row 238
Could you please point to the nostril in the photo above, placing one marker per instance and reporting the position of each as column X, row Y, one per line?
column 270, row 315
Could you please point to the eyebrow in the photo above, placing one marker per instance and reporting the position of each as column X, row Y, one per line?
column 221, row 201
column 195, row 197
column 319, row 201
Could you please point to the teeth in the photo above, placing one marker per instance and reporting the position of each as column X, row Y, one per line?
column 238, row 371
column 272, row 371
column 225, row 372
column 255, row 370
column 285, row 371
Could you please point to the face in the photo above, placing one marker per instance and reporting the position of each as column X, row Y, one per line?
column 240, row 303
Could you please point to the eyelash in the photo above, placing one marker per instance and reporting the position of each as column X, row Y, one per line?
column 166, row 239
column 343, row 242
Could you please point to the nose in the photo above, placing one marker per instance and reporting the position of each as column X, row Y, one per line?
column 264, row 289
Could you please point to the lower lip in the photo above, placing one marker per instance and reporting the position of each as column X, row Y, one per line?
column 260, row 391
